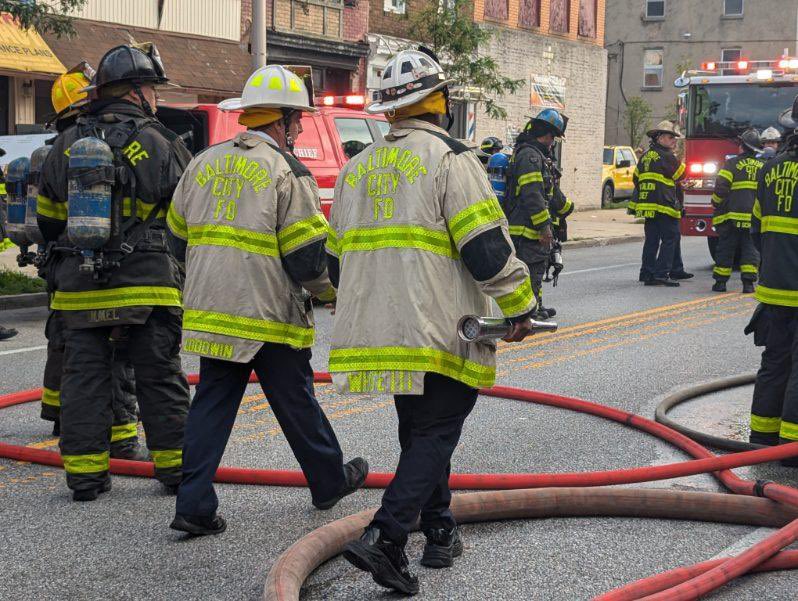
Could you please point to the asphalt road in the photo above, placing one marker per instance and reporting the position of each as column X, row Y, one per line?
column 620, row 343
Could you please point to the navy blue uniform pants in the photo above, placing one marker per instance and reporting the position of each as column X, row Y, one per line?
column 429, row 430
column 659, row 248
column 287, row 381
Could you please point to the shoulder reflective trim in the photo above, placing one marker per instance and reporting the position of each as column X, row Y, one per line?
column 51, row 397
column 566, row 207
column 176, row 224
column 476, row 215
column 401, row 358
column 744, row 185
column 87, row 464
column 50, row 208
column 524, row 232
column 788, row 430
column 656, row 177
column 741, row 217
column 679, row 172
column 776, row 296
column 297, row 234
column 166, row 458
column 234, row 237
column 113, row 298
column 779, row 225
column 247, row 328
column 766, row 425
column 757, row 211
column 123, row 432
column 723, row 272
column 652, row 207
column 749, row 269
column 541, row 217
column 519, row 301
column 726, row 174
column 2, row 189
column 333, row 245
column 528, row 178
column 399, row 236
column 142, row 208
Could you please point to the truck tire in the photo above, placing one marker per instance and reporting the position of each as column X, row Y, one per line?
column 607, row 195
column 712, row 243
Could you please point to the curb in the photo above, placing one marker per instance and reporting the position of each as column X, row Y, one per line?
column 602, row 241
column 24, row 301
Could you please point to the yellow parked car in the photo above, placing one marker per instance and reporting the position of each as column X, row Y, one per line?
column 616, row 174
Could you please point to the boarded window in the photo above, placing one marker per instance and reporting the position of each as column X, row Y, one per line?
column 496, row 9
column 652, row 68
column 587, row 18
column 529, row 13
column 558, row 16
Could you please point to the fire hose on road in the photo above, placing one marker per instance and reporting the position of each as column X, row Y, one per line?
column 777, row 508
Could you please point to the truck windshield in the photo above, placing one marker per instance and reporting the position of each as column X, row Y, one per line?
column 726, row 110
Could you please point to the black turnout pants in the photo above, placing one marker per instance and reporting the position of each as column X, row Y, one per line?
column 286, row 378
column 731, row 237
column 429, row 430
column 87, row 398
column 660, row 246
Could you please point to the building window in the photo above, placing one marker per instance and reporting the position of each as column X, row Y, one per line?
column 732, row 8
column 559, row 17
column 496, row 9
column 655, row 9
column 529, row 13
column 730, row 55
column 652, row 69
column 394, row 6
column 587, row 18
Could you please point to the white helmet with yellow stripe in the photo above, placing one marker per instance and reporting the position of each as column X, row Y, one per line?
column 272, row 86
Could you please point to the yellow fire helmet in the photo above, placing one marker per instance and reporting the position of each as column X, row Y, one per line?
column 68, row 90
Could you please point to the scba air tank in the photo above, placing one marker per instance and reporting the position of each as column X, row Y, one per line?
column 497, row 173
column 16, row 193
column 90, row 184
column 36, row 163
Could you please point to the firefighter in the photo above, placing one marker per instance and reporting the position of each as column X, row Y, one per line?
column 131, row 286
column 5, row 333
column 657, row 198
column 249, row 213
column 733, row 201
column 530, row 191
column 68, row 98
column 418, row 198
column 771, row 140
column 488, row 147
column 774, row 229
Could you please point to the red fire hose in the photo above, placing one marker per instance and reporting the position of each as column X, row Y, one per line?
column 685, row 583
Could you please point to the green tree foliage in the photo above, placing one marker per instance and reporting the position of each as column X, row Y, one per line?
column 449, row 30
column 637, row 115
column 45, row 17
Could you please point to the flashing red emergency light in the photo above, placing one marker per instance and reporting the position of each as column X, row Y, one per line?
column 710, row 66
column 350, row 100
column 742, row 65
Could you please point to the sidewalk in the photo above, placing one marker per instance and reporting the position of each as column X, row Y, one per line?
column 597, row 227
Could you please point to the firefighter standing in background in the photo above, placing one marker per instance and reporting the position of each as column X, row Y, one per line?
column 249, row 213
column 733, row 199
column 488, row 147
column 139, row 295
column 774, row 229
column 5, row 333
column 68, row 97
column 657, row 198
column 530, row 186
column 420, row 198
column 771, row 140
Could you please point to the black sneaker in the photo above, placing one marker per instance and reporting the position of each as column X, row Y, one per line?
column 682, row 275
column 6, row 333
column 91, row 494
column 441, row 548
column 355, row 473
column 199, row 525
column 384, row 560
column 748, row 287
column 719, row 287
column 662, row 282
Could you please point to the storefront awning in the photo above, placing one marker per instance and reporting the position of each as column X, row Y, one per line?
column 25, row 51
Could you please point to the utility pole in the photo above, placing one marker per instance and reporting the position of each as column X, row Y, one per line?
column 257, row 34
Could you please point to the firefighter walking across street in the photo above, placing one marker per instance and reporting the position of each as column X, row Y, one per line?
column 735, row 192
column 246, row 217
column 116, row 276
column 418, row 197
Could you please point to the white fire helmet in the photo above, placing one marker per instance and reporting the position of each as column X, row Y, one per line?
column 272, row 86
column 771, row 134
column 409, row 76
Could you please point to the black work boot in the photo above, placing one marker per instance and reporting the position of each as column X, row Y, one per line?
column 789, row 461
column 441, row 548
column 355, row 473
column 91, row 494
column 682, row 275
column 384, row 559
column 719, row 286
column 6, row 333
column 748, row 287
column 131, row 451
column 662, row 282
column 199, row 525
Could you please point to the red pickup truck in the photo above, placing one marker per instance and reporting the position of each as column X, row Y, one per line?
column 330, row 137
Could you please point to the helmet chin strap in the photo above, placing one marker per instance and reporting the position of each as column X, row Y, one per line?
column 289, row 140
column 449, row 117
column 144, row 104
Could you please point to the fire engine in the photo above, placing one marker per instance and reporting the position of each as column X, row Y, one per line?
column 717, row 103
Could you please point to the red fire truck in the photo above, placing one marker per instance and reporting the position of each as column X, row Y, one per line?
column 718, row 102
